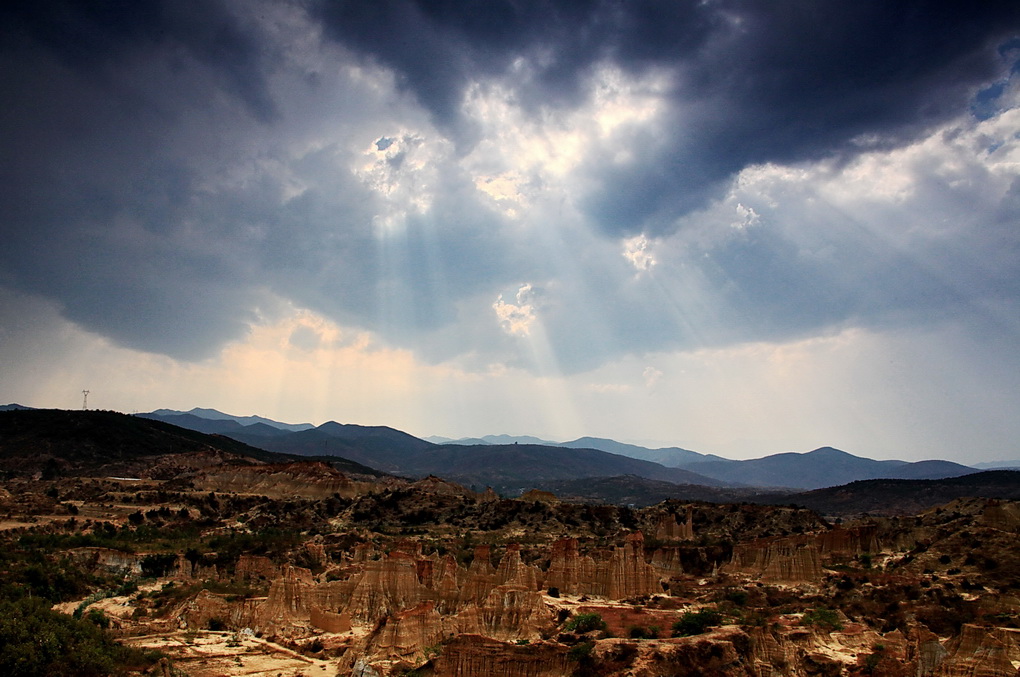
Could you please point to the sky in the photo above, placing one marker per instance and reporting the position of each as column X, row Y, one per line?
column 737, row 227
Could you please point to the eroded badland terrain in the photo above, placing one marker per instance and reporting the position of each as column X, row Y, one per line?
column 203, row 560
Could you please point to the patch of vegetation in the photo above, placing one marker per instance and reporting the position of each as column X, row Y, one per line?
column 158, row 565
column 827, row 619
column 696, row 622
column 582, row 653
column 582, row 623
column 35, row 640
column 641, row 632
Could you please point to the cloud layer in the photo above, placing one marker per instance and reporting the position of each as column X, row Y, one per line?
column 549, row 187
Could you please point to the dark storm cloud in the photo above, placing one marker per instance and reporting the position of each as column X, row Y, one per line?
column 102, row 173
column 96, row 38
column 755, row 81
column 168, row 169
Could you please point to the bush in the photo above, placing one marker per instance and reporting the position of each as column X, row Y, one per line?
column 582, row 623
column 826, row 619
column 581, row 653
column 158, row 565
column 35, row 640
column 696, row 622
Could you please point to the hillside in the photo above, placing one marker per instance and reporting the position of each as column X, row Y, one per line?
column 380, row 447
column 901, row 496
column 516, row 467
column 57, row 442
column 636, row 491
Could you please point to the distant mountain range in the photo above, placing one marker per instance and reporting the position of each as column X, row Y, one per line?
column 512, row 462
column 242, row 421
column 55, row 442
column 673, row 457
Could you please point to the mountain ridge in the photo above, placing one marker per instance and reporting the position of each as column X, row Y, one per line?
column 390, row 450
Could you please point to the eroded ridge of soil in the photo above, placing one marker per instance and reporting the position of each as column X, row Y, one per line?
column 224, row 568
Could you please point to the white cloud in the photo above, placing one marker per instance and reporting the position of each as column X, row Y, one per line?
column 636, row 251
column 651, row 376
column 516, row 319
column 746, row 217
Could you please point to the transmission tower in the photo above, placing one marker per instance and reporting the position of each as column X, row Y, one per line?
column 84, row 400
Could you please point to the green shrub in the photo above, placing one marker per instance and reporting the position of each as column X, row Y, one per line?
column 827, row 619
column 35, row 640
column 696, row 622
column 158, row 565
column 585, row 623
column 581, row 653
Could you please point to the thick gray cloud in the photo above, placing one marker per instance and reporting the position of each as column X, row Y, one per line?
column 754, row 81
column 170, row 171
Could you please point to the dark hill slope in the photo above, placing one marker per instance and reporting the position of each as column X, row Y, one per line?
column 512, row 467
column 640, row 492
column 59, row 442
column 901, row 497
column 380, row 447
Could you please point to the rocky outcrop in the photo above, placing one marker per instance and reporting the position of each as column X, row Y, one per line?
column 479, row 579
column 328, row 621
column 622, row 574
column 569, row 571
column 667, row 562
column 255, row 567
column 478, row 655
column 407, row 633
column 980, row 652
column 1003, row 515
column 839, row 542
column 385, row 586
column 781, row 560
column 206, row 610
column 107, row 560
column 508, row 613
column 514, row 573
column 309, row 479
column 288, row 602
column 539, row 496
column 669, row 528
column 626, row 574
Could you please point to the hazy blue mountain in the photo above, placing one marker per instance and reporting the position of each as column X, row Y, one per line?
column 198, row 423
column 508, row 467
column 930, row 470
column 673, row 457
column 214, row 415
column 516, row 439
column 491, row 439
column 391, row 450
column 991, row 465
column 824, row 467
column 15, row 407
